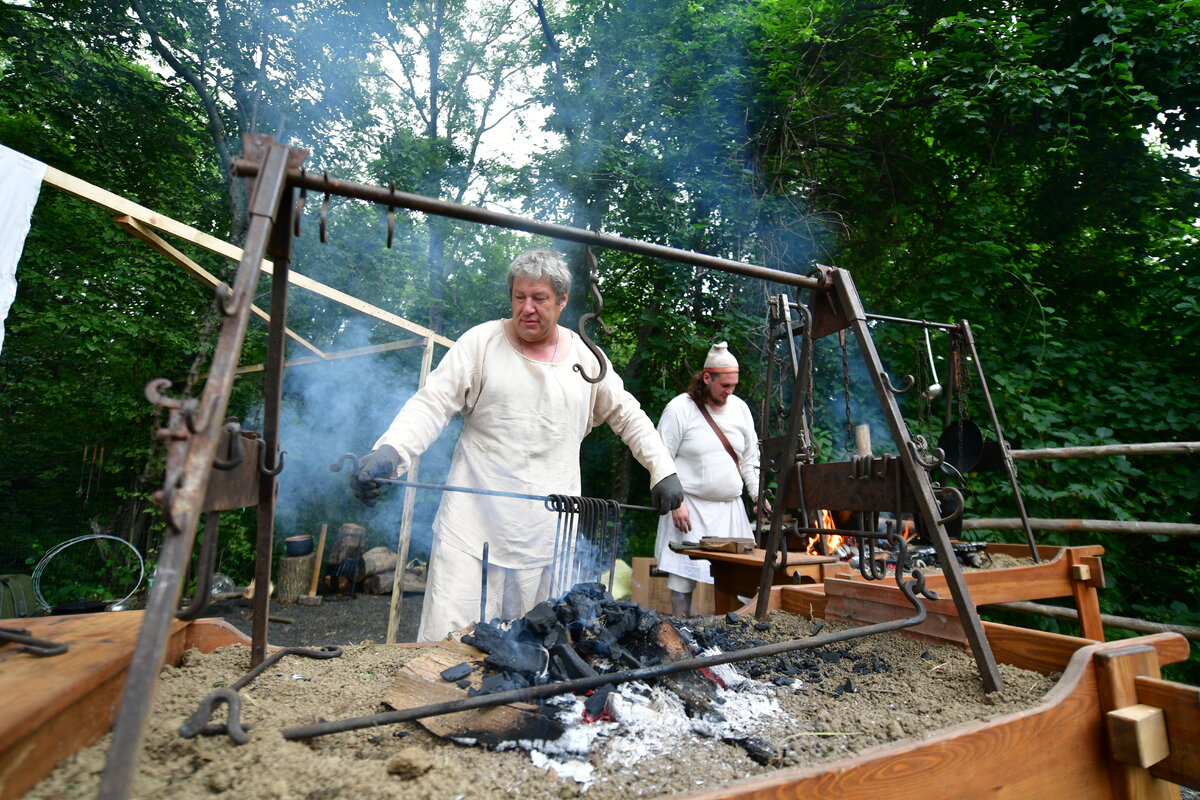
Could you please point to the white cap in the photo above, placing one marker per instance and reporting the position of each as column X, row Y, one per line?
column 720, row 359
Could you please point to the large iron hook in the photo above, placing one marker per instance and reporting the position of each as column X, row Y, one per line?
column 593, row 282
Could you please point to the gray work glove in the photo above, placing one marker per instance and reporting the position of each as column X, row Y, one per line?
column 380, row 463
column 667, row 494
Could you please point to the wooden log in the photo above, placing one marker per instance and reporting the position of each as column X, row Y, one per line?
column 1108, row 620
column 349, row 543
column 1108, row 450
column 295, row 572
column 1093, row 525
column 377, row 560
column 383, row 583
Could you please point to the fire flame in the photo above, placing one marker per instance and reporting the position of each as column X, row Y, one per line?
column 832, row 540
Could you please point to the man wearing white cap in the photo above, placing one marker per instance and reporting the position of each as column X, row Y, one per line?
column 709, row 432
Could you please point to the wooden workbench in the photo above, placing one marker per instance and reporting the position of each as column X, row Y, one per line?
column 737, row 574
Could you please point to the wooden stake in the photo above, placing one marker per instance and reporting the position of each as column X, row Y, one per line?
column 316, row 566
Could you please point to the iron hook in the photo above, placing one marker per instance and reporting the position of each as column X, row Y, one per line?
column 593, row 281
column 391, row 215
column 197, row 723
column 325, row 212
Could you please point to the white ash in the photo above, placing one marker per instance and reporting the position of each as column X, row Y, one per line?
column 650, row 721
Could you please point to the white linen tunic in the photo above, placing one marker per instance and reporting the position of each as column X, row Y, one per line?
column 712, row 483
column 523, row 423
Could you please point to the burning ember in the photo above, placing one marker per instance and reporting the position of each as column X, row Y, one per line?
column 587, row 633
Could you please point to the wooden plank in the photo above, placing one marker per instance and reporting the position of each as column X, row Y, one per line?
column 1087, row 600
column 1049, row 751
column 56, row 705
column 419, row 683
column 1181, row 706
column 1045, row 653
column 1115, row 671
column 113, row 202
column 161, row 246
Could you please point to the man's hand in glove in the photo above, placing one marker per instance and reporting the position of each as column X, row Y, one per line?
column 380, row 463
column 667, row 494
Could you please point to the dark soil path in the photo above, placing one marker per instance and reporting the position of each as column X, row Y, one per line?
column 340, row 619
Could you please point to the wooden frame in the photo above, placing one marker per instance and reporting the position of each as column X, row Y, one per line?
column 1063, row 572
column 1061, row 748
column 56, row 705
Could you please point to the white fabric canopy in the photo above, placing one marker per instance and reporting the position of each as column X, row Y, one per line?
column 20, row 182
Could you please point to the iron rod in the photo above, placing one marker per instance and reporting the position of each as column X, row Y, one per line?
column 969, row 338
column 906, row 321
column 585, row 684
column 491, row 492
column 192, row 458
column 919, row 483
column 429, row 205
column 483, row 586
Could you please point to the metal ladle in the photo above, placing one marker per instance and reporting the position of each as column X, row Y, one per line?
column 935, row 390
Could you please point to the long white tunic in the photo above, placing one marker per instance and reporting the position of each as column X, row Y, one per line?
column 523, row 422
column 712, row 483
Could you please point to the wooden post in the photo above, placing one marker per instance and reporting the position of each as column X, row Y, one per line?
column 862, row 439
column 312, row 598
column 410, row 499
column 1116, row 673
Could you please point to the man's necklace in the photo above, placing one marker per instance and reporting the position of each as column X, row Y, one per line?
column 553, row 356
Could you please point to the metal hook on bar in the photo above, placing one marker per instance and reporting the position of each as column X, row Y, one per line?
column 190, row 413
column 155, row 393
column 235, row 449
column 909, row 383
column 391, row 216
column 299, row 204
column 959, row 507
column 166, row 495
column 935, row 459
column 325, row 213
column 270, row 472
column 224, row 300
column 593, row 281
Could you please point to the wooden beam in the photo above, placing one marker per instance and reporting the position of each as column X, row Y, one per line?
column 1095, row 525
column 357, row 351
column 1108, row 620
column 120, row 205
column 1108, row 450
column 161, row 246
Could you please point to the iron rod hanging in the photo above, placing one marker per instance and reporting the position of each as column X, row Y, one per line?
column 429, row 205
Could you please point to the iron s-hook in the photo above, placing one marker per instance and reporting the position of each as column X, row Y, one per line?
column 593, row 283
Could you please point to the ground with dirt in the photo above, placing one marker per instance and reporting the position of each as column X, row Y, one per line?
column 340, row 619
column 837, row 701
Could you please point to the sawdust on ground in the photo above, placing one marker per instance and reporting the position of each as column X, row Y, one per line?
column 920, row 690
